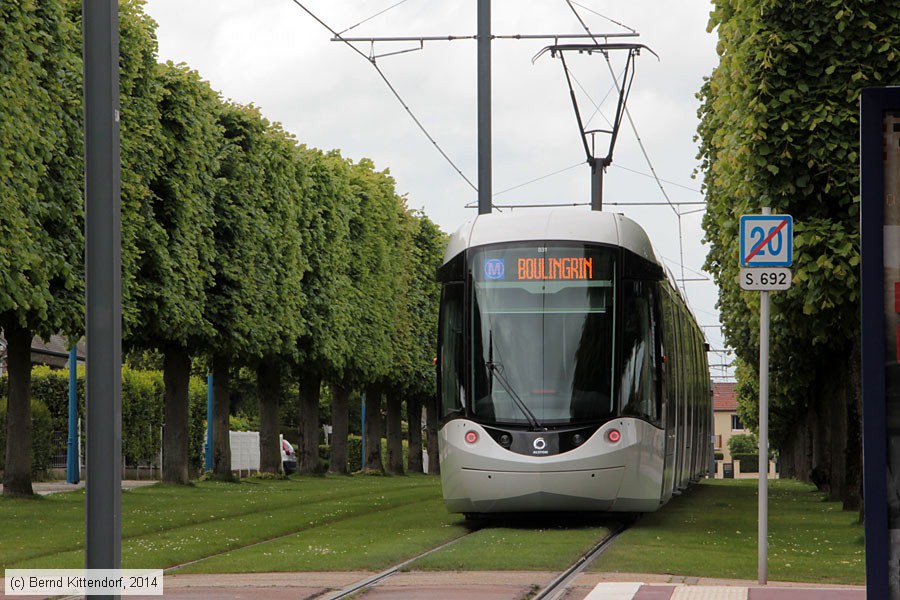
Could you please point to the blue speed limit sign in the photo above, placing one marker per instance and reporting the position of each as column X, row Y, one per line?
column 767, row 240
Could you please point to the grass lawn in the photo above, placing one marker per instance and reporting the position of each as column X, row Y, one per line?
column 163, row 526
column 711, row 531
column 371, row 541
column 539, row 543
column 351, row 523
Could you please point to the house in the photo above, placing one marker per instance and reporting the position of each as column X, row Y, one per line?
column 53, row 353
column 726, row 420
column 726, row 424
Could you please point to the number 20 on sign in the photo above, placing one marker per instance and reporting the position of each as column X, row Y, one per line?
column 767, row 240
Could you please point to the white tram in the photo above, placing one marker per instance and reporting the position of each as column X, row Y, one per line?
column 572, row 376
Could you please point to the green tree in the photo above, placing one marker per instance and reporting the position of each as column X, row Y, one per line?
column 429, row 243
column 174, row 246
column 375, row 293
column 324, row 348
column 779, row 128
column 41, row 267
column 141, row 146
column 252, row 224
column 285, row 303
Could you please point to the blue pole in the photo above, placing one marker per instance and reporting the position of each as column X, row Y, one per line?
column 72, row 470
column 209, row 422
column 362, row 452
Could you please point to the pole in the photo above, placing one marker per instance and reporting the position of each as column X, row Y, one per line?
column 764, row 432
column 72, row 470
column 485, row 186
column 103, row 249
column 596, row 184
column 208, row 448
column 362, row 449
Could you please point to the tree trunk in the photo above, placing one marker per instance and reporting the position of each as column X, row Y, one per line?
column 825, row 446
column 853, row 492
column 17, row 472
column 268, row 383
column 394, row 434
column 340, row 429
column 176, row 377
column 414, row 434
column 308, row 442
column 431, row 420
column 795, row 458
column 221, row 411
column 373, row 429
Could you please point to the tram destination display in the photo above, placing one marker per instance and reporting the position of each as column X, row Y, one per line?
column 542, row 263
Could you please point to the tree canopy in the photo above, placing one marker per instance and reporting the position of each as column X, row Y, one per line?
column 779, row 128
column 239, row 243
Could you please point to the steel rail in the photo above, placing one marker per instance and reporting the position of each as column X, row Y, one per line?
column 370, row 581
column 556, row 588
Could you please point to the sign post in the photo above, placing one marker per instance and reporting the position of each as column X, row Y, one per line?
column 767, row 248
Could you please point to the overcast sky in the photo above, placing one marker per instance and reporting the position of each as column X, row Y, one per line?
column 274, row 55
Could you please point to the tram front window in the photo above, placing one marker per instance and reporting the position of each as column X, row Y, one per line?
column 542, row 334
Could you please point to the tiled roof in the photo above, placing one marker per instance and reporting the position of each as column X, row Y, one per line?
column 724, row 397
column 53, row 352
column 57, row 345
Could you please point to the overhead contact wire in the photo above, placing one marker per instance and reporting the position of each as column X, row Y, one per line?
column 590, row 10
column 371, row 61
column 515, row 187
column 378, row 14
column 643, row 150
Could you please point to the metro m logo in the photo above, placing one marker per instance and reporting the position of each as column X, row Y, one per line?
column 494, row 268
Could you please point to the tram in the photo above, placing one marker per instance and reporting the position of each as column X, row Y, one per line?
column 571, row 374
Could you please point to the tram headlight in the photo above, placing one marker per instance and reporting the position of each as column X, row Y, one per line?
column 614, row 436
column 506, row 440
column 577, row 439
column 471, row 437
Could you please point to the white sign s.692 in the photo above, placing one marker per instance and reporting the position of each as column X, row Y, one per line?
column 765, row 279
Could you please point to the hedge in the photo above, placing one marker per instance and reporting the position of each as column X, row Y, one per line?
column 749, row 462
column 142, row 412
column 41, row 437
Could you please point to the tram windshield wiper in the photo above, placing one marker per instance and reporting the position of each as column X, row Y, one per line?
column 496, row 370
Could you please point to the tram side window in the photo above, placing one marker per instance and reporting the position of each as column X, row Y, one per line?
column 451, row 350
column 672, row 345
column 637, row 383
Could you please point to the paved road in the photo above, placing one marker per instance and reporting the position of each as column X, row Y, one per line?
column 489, row 585
column 496, row 585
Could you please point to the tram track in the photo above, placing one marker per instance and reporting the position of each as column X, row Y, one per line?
column 559, row 585
column 368, row 582
column 554, row 590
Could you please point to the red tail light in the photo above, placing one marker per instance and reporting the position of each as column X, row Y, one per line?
column 471, row 437
column 614, row 435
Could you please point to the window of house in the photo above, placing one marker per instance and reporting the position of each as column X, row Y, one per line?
column 736, row 424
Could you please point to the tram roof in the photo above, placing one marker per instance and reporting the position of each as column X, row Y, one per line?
column 558, row 224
